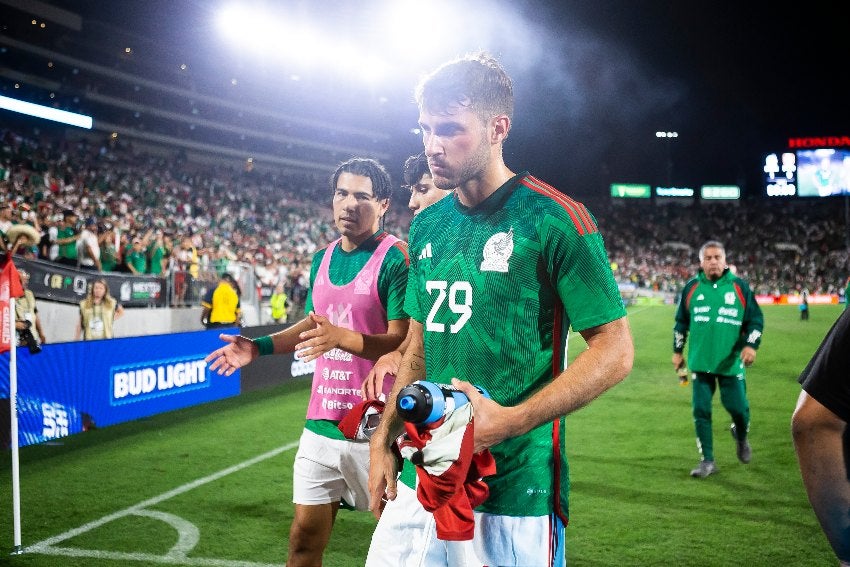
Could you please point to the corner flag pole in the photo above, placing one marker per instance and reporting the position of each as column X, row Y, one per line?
column 13, row 410
column 10, row 288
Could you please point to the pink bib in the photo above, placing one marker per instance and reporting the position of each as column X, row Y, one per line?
column 355, row 306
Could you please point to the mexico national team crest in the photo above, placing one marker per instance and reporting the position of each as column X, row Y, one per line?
column 363, row 283
column 497, row 252
column 729, row 297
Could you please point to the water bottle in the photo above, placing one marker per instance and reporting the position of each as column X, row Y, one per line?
column 683, row 375
column 425, row 402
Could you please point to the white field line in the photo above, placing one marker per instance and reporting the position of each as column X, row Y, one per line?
column 187, row 532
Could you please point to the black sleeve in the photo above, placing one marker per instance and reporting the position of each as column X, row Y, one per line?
column 826, row 377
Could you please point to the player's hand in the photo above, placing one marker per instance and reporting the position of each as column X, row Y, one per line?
column 389, row 363
column 748, row 355
column 678, row 360
column 239, row 352
column 383, row 470
column 324, row 337
column 493, row 423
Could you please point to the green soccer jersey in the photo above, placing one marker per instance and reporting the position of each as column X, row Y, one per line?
column 496, row 288
column 722, row 317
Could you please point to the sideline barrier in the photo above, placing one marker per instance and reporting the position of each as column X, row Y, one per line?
column 68, row 388
column 794, row 299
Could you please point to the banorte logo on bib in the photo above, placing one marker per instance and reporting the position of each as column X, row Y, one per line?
column 497, row 252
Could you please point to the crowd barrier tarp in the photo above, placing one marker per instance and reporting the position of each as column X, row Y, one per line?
column 56, row 282
column 796, row 299
column 68, row 388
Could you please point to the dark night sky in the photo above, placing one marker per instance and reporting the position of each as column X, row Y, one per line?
column 595, row 80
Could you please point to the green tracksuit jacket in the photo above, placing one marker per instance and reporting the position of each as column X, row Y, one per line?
column 722, row 317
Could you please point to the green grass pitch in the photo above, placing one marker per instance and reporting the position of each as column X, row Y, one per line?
column 211, row 485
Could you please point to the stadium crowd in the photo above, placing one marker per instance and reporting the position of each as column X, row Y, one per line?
column 274, row 222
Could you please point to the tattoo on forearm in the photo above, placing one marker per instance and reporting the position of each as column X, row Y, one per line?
column 417, row 364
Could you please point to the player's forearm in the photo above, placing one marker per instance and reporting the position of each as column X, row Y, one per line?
column 411, row 369
column 372, row 347
column 606, row 362
column 284, row 341
column 818, row 436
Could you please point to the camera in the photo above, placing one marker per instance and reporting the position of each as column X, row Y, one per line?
column 26, row 338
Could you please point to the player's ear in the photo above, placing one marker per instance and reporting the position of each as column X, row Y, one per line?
column 500, row 125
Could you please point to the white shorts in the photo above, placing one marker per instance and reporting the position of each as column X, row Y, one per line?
column 406, row 536
column 330, row 470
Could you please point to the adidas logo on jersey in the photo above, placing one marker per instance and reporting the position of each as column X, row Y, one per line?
column 426, row 252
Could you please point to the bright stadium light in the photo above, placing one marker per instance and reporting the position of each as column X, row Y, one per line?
column 39, row 111
column 269, row 36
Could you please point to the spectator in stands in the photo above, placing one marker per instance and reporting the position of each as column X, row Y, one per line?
column 109, row 259
column 278, row 302
column 136, row 259
column 725, row 324
column 98, row 313
column 821, row 436
column 156, row 253
column 6, row 215
column 221, row 304
column 88, row 246
column 27, row 322
column 47, row 247
column 66, row 238
column 356, row 314
column 189, row 265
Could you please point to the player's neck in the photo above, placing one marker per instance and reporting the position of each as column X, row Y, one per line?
column 477, row 189
column 349, row 243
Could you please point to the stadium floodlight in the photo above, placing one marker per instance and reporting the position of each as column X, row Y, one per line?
column 271, row 36
column 266, row 33
column 39, row 111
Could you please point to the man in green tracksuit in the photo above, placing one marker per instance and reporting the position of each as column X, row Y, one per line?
column 725, row 322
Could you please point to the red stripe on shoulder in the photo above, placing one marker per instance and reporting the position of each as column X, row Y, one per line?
column 740, row 293
column 402, row 245
column 577, row 211
column 583, row 212
column 690, row 295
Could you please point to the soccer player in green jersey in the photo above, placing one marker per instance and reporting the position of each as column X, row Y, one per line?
column 355, row 314
column 725, row 323
column 499, row 273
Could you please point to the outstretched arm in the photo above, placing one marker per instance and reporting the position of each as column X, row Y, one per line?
column 241, row 351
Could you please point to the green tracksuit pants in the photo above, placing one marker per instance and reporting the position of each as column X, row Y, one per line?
column 733, row 396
